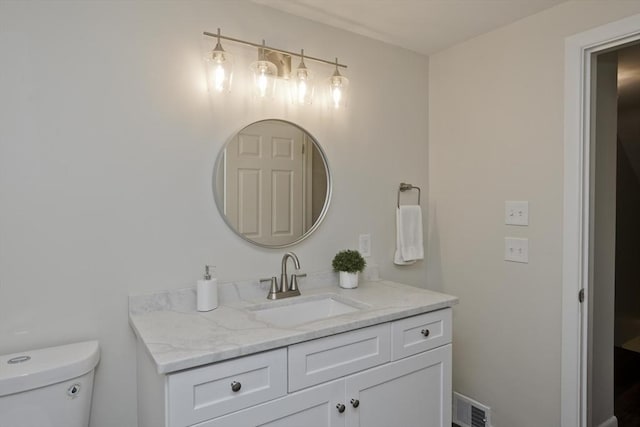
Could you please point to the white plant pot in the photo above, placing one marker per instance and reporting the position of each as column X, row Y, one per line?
column 348, row 280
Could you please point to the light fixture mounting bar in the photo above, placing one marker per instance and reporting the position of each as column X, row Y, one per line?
column 261, row 46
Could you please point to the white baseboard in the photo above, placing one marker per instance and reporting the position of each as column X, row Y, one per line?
column 611, row 422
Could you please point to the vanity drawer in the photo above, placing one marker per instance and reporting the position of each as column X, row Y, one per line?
column 203, row 393
column 325, row 359
column 420, row 333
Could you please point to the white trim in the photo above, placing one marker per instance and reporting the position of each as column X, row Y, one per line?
column 575, row 264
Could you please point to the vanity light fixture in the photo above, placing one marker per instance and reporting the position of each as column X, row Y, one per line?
column 264, row 75
column 274, row 64
column 302, row 84
column 338, row 87
column 221, row 68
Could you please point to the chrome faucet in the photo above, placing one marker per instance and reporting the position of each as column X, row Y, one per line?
column 285, row 289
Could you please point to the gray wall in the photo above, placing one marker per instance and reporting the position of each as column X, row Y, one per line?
column 496, row 133
column 107, row 143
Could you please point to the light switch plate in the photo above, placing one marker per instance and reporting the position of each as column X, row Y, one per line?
column 365, row 245
column 516, row 249
column 516, row 213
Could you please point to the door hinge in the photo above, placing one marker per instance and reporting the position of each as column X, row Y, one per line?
column 581, row 296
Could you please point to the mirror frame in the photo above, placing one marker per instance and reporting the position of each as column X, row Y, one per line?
column 327, row 199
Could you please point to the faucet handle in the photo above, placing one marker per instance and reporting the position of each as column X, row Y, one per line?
column 274, row 287
column 294, row 281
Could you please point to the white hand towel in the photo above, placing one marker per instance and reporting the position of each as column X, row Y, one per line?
column 409, row 235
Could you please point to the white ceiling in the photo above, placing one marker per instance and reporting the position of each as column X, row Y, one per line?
column 424, row 26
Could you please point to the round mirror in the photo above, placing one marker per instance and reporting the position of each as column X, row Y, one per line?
column 272, row 183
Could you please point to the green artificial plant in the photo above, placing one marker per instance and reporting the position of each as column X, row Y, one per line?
column 348, row 260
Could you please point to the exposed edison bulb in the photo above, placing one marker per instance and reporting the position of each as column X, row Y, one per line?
column 338, row 86
column 302, row 85
column 262, row 82
column 336, row 94
column 220, row 71
column 302, row 91
column 264, row 75
column 218, row 78
column 264, row 78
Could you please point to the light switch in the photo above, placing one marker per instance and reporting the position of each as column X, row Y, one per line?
column 516, row 213
column 516, row 249
column 365, row 245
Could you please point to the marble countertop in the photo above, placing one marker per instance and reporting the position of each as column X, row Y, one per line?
column 177, row 337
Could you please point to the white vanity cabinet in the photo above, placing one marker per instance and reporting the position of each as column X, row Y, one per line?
column 391, row 374
column 415, row 391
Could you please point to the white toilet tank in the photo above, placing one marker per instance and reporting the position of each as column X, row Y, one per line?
column 49, row 387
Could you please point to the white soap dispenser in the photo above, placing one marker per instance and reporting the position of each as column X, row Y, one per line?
column 207, row 291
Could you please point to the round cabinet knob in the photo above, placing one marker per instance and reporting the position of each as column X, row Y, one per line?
column 236, row 386
column 340, row 407
column 355, row 403
column 425, row 332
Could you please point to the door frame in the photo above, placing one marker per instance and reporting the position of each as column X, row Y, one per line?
column 579, row 53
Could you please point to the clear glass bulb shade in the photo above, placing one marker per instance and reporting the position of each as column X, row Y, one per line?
column 338, row 91
column 301, row 87
column 264, row 78
column 219, row 71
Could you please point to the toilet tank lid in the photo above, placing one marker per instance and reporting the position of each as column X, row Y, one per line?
column 28, row 370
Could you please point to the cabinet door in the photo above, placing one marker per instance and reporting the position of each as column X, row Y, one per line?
column 412, row 392
column 313, row 407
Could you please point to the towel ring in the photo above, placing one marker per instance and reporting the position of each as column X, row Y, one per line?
column 405, row 187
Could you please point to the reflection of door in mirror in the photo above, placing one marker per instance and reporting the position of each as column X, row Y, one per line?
column 266, row 181
column 316, row 183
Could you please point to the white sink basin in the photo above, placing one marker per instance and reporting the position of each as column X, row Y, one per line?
column 299, row 310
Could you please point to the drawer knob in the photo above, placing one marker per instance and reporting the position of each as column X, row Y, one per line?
column 236, row 386
column 355, row 403
column 425, row 332
column 340, row 407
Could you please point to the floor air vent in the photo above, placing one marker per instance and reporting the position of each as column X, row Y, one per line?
column 469, row 413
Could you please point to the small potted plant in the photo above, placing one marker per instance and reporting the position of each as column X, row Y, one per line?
column 349, row 263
